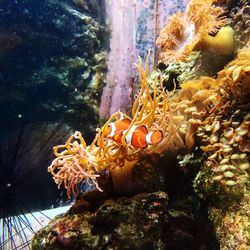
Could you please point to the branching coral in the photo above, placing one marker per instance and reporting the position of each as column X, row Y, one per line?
column 185, row 32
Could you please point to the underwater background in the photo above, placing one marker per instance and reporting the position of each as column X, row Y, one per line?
column 71, row 65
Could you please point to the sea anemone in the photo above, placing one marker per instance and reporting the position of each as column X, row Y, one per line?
column 184, row 32
column 176, row 116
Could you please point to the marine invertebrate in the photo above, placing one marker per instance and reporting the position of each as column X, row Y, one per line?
column 185, row 32
column 24, row 153
column 225, row 132
column 239, row 19
column 222, row 43
column 75, row 162
column 232, row 224
column 159, row 122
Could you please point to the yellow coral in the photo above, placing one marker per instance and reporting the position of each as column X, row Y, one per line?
column 226, row 131
column 222, row 43
column 177, row 115
column 185, row 31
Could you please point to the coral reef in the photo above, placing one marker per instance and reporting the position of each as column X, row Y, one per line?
column 239, row 18
column 214, row 111
column 204, row 127
column 189, row 31
column 142, row 221
column 225, row 132
column 133, row 223
column 177, row 117
column 232, row 224
column 224, row 176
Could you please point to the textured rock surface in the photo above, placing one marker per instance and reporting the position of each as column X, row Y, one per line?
column 232, row 224
column 52, row 61
column 126, row 223
column 101, row 220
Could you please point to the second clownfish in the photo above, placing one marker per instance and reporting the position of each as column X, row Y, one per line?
column 138, row 136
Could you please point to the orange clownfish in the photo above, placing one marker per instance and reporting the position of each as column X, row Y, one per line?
column 114, row 130
column 140, row 138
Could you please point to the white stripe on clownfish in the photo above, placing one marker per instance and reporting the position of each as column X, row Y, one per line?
column 113, row 129
column 139, row 137
column 128, row 138
column 148, row 138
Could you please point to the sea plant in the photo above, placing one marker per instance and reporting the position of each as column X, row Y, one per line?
column 191, row 30
column 177, row 114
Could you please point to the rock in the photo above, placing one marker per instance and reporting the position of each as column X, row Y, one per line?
column 49, row 58
column 126, row 223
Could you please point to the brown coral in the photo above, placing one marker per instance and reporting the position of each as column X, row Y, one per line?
column 239, row 17
column 226, row 131
column 185, row 31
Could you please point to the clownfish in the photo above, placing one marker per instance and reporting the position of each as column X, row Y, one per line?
column 138, row 136
column 114, row 130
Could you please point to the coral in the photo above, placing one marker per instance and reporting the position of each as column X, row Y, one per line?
column 119, row 159
column 223, row 179
column 222, row 43
column 134, row 223
column 177, row 116
column 75, row 162
column 239, row 19
column 232, row 224
column 184, row 32
column 144, row 221
column 225, row 131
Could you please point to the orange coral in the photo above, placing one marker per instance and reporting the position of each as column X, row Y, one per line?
column 184, row 31
column 198, row 106
column 74, row 163
column 177, row 115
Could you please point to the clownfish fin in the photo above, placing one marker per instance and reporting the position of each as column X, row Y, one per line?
column 142, row 128
column 126, row 121
column 121, row 125
column 118, row 138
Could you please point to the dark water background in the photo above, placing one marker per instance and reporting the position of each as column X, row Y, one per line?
column 40, row 42
column 50, row 52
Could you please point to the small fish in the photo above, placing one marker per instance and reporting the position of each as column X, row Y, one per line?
column 139, row 137
column 114, row 130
